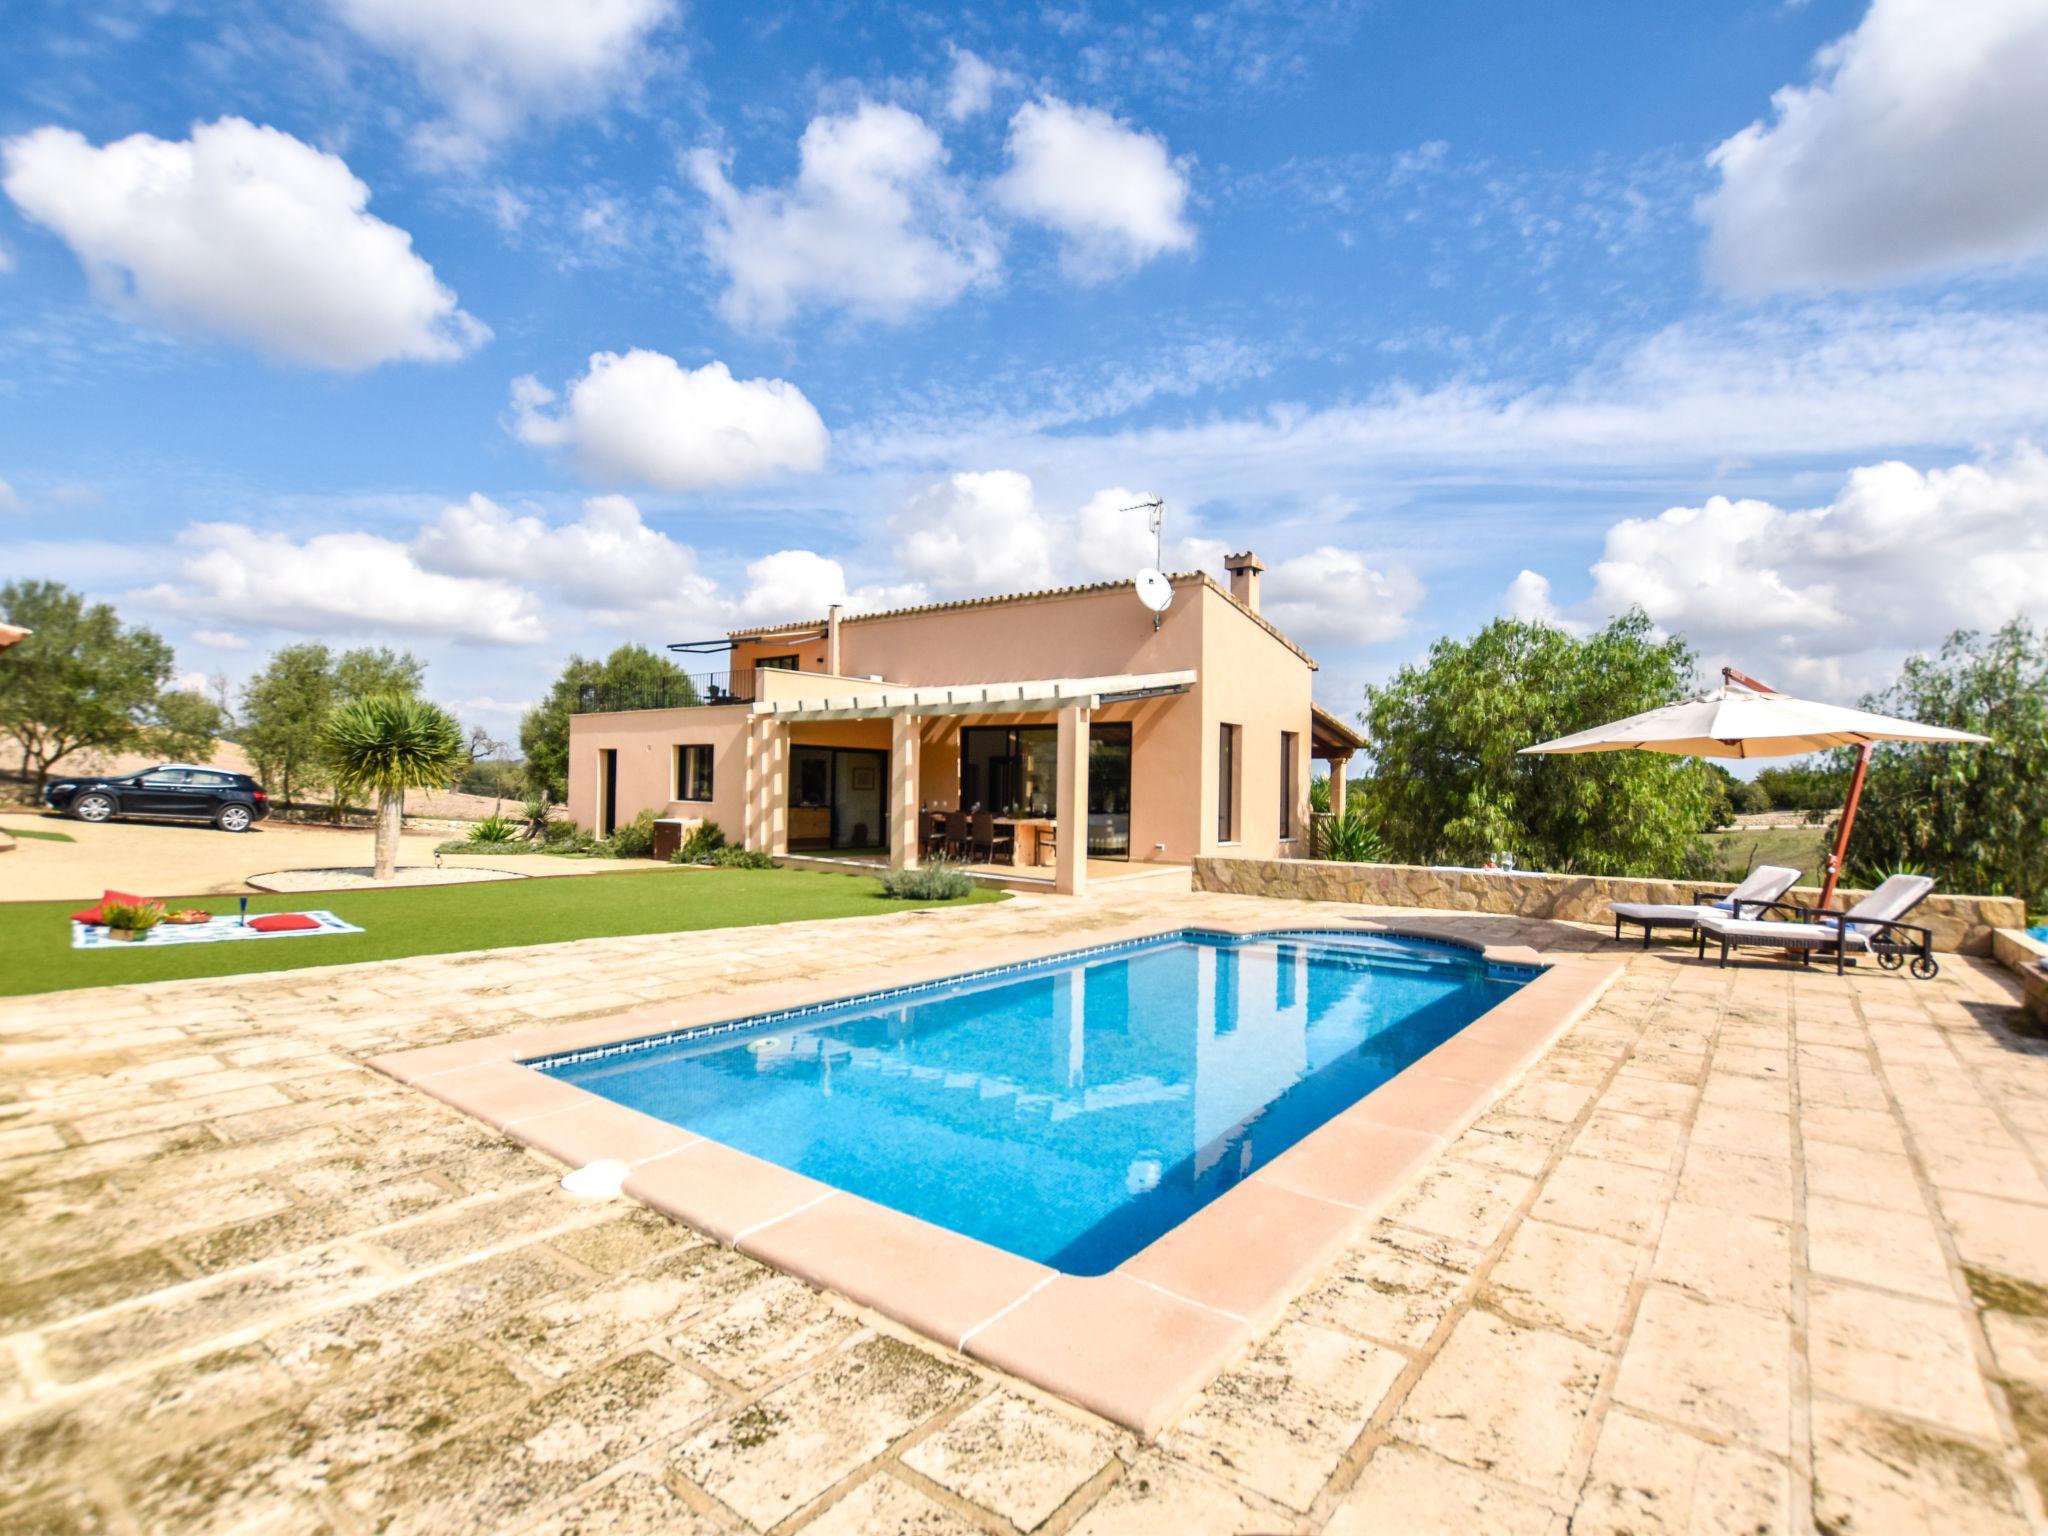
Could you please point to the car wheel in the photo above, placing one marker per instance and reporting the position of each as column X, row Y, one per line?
column 232, row 818
column 93, row 807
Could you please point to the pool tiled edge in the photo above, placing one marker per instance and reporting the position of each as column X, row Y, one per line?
column 1132, row 1345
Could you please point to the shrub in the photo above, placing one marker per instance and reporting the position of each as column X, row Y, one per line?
column 635, row 839
column 702, row 840
column 494, row 829
column 738, row 858
column 557, row 833
column 1350, row 839
column 495, row 850
column 940, row 880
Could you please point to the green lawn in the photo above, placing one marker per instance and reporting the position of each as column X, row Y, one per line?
column 1802, row 848
column 35, row 937
column 39, row 835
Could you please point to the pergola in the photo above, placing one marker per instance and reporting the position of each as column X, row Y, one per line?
column 1333, row 741
column 1070, row 700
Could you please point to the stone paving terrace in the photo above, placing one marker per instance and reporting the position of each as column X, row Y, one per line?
column 1748, row 1250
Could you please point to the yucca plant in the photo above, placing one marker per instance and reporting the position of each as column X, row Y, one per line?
column 494, row 829
column 390, row 743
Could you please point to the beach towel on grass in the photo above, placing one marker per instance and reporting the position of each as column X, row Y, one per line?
column 220, row 930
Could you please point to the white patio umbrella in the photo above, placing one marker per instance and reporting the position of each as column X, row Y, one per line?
column 12, row 634
column 1746, row 718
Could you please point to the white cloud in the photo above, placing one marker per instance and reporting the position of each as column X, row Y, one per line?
column 1110, row 190
column 10, row 499
column 872, row 223
column 972, row 85
column 644, row 417
column 242, row 232
column 974, row 533
column 219, row 640
column 1334, row 596
column 1830, row 597
column 1921, row 146
column 607, row 559
column 494, row 63
column 336, row 583
column 6, row 261
column 1528, row 597
column 802, row 584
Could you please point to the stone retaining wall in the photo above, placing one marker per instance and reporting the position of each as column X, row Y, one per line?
column 2027, row 958
column 1963, row 924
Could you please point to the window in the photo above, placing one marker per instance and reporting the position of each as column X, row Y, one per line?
column 1226, row 784
column 777, row 663
column 693, row 773
column 209, row 780
column 1288, row 740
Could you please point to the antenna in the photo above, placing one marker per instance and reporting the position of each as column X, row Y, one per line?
column 1154, row 590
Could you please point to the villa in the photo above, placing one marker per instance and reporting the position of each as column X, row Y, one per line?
column 879, row 734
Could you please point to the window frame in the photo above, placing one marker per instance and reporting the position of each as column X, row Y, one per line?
column 1290, row 762
column 1229, row 773
column 683, row 781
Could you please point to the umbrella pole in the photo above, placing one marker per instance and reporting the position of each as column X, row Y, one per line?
column 1827, row 892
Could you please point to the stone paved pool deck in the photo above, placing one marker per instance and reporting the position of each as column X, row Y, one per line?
column 1746, row 1250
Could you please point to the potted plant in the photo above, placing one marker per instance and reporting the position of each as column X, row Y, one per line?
column 128, row 921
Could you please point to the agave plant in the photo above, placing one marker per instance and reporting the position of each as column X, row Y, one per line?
column 390, row 743
column 1350, row 839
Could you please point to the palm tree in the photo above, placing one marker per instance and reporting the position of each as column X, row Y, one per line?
column 391, row 743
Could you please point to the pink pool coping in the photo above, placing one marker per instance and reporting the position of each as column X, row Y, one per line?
column 1132, row 1345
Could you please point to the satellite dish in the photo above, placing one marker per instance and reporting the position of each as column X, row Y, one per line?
column 1154, row 590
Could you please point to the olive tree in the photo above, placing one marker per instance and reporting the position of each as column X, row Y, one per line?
column 85, row 682
column 1976, row 818
column 1449, row 786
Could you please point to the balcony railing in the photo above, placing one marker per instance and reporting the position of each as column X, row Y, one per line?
column 689, row 692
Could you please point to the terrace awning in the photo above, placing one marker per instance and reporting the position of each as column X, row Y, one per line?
column 887, row 700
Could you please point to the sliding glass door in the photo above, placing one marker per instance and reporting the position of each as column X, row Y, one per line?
column 1014, row 771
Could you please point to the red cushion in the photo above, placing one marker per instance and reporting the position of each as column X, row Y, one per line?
column 283, row 922
column 93, row 914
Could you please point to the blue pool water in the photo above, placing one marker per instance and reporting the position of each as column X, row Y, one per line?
column 2040, row 933
column 1074, row 1110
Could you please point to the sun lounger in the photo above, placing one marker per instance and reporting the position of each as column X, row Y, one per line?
column 1759, row 889
column 1871, row 927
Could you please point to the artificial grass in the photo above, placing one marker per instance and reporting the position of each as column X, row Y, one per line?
column 39, row 835
column 35, row 937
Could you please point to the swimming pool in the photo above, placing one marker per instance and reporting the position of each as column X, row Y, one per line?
column 1073, row 1110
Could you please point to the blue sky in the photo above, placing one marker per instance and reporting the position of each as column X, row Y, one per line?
column 501, row 330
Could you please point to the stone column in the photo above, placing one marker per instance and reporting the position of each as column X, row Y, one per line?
column 1070, row 804
column 1337, row 765
column 904, row 776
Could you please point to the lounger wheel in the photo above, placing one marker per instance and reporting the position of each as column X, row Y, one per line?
column 1890, row 959
column 1925, row 968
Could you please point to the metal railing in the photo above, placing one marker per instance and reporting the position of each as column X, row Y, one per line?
column 691, row 691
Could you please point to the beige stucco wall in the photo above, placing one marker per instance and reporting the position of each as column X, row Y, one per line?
column 645, row 740
column 1251, row 680
column 1959, row 923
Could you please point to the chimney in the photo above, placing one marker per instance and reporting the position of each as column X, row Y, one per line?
column 832, row 638
column 1244, row 578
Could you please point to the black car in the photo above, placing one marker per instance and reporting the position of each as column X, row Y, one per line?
column 188, row 791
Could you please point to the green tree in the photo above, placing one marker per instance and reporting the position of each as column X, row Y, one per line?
column 285, row 708
column 81, row 682
column 1448, row 785
column 1976, row 818
column 632, row 677
column 389, row 743
column 184, row 724
column 1754, row 799
column 1814, row 785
